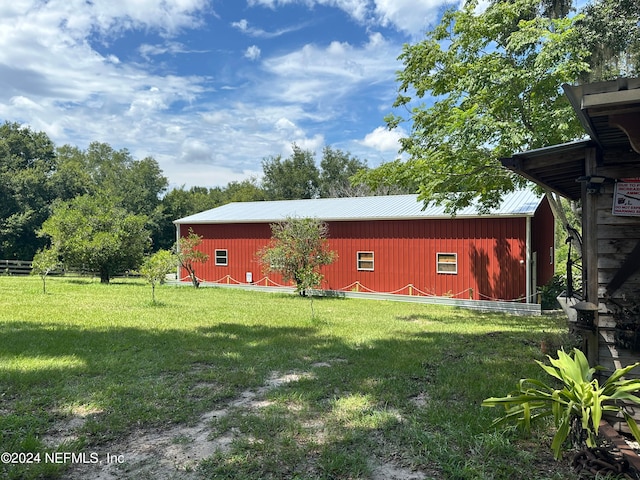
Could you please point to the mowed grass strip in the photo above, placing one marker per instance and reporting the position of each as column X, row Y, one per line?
column 377, row 384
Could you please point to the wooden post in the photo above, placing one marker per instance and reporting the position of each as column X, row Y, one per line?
column 590, row 253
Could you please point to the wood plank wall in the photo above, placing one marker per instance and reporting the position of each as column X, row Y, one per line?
column 617, row 236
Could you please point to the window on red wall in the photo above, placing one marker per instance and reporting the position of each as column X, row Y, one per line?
column 222, row 258
column 365, row 261
column 447, row 263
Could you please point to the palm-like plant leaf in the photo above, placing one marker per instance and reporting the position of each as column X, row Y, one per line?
column 581, row 397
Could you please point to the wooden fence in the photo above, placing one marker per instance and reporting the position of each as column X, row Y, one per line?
column 15, row 267
column 23, row 267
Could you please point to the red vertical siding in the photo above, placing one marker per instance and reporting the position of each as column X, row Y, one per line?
column 543, row 241
column 491, row 255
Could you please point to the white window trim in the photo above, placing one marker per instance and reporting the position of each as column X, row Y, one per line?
column 358, row 260
column 226, row 257
column 439, row 263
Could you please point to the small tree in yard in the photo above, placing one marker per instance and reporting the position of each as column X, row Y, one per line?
column 44, row 262
column 188, row 255
column 298, row 249
column 156, row 267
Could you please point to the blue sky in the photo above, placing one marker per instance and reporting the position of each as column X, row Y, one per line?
column 209, row 88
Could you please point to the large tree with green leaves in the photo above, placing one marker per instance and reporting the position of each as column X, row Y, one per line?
column 248, row 190
column 291, row 178
column 485, row 84
column 481, row 86
column 336, row 169
column 181, row 202
column 132, row 184
column 610, row 32
column 27, row 161
column 93, row 233
column 298, row 176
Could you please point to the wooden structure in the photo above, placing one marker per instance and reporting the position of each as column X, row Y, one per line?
column 603, row 172
column 391, row 244
column 15, row 267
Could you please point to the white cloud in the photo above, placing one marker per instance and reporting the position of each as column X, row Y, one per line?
column 237, row 136
column 244, row 27
column 195, row 151
column 314, row 144
column 59, row 64
column 357, row 9
column 411, row 16
column 45, row 57
column 25, row 103
column 312, row 73
column 384, row 140
column 148, row 51
column 168, row 16
column 286, row 125
column 148, row 101
column 252, row 53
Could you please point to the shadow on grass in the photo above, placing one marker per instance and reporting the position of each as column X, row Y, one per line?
column 361, row 395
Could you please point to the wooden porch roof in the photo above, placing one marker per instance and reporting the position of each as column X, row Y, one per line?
column 610, row 115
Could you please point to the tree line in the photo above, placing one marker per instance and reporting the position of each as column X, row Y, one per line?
column 68, row 196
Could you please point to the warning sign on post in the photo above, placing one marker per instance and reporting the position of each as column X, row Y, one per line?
column 626, row 197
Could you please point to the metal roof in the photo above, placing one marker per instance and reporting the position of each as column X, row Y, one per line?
column 521, row 203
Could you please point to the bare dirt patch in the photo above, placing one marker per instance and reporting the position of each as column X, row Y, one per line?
column 389, row 471
column 169, row 454
column 174, row 453
column 66, row 431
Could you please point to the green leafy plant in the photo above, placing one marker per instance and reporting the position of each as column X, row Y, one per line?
column 576, row 405
column 627, row 330
column 156, row 267
column 551, row 290
column 44, row 262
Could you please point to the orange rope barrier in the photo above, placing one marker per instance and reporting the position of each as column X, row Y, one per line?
column 359, row 287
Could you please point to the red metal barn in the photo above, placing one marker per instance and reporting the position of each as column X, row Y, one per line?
column 391, row 244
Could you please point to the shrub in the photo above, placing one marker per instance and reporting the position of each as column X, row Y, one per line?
column 577, row 406
column 552, row 290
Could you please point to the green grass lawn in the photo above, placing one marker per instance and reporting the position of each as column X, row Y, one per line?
column 250, row 386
